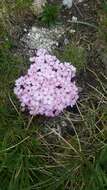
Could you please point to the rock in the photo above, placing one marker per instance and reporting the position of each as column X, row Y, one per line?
column 67, row 3
column 74, row 19
column 72, row 31
column 66, row 41
column 25, row 30
column 33, row 29
column 43, row 38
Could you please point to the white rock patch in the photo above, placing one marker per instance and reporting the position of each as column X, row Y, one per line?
column 42, row 38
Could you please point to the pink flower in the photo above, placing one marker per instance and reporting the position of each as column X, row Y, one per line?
column 47, row 89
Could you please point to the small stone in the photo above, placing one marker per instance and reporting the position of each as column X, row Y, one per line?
column 34, row 29
column 68, row 3
column 74, row 19
column 25, row 30
column 66, row 41
column 72, row 31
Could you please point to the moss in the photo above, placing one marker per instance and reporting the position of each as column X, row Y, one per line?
column 14, row 16
column 102, row 15
column 73, row 54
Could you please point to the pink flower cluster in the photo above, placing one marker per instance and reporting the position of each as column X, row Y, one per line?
column 48, row 87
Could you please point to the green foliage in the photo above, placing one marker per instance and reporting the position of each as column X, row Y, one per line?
column 102, row 28
column 10, row 65
column 75, row 55
column 14, row 15
column 104, row 6
column 23, row 3
column 102, row 13
column 49, row 15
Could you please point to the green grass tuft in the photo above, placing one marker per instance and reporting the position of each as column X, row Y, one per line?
column 49, row 16
column 73, row 54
